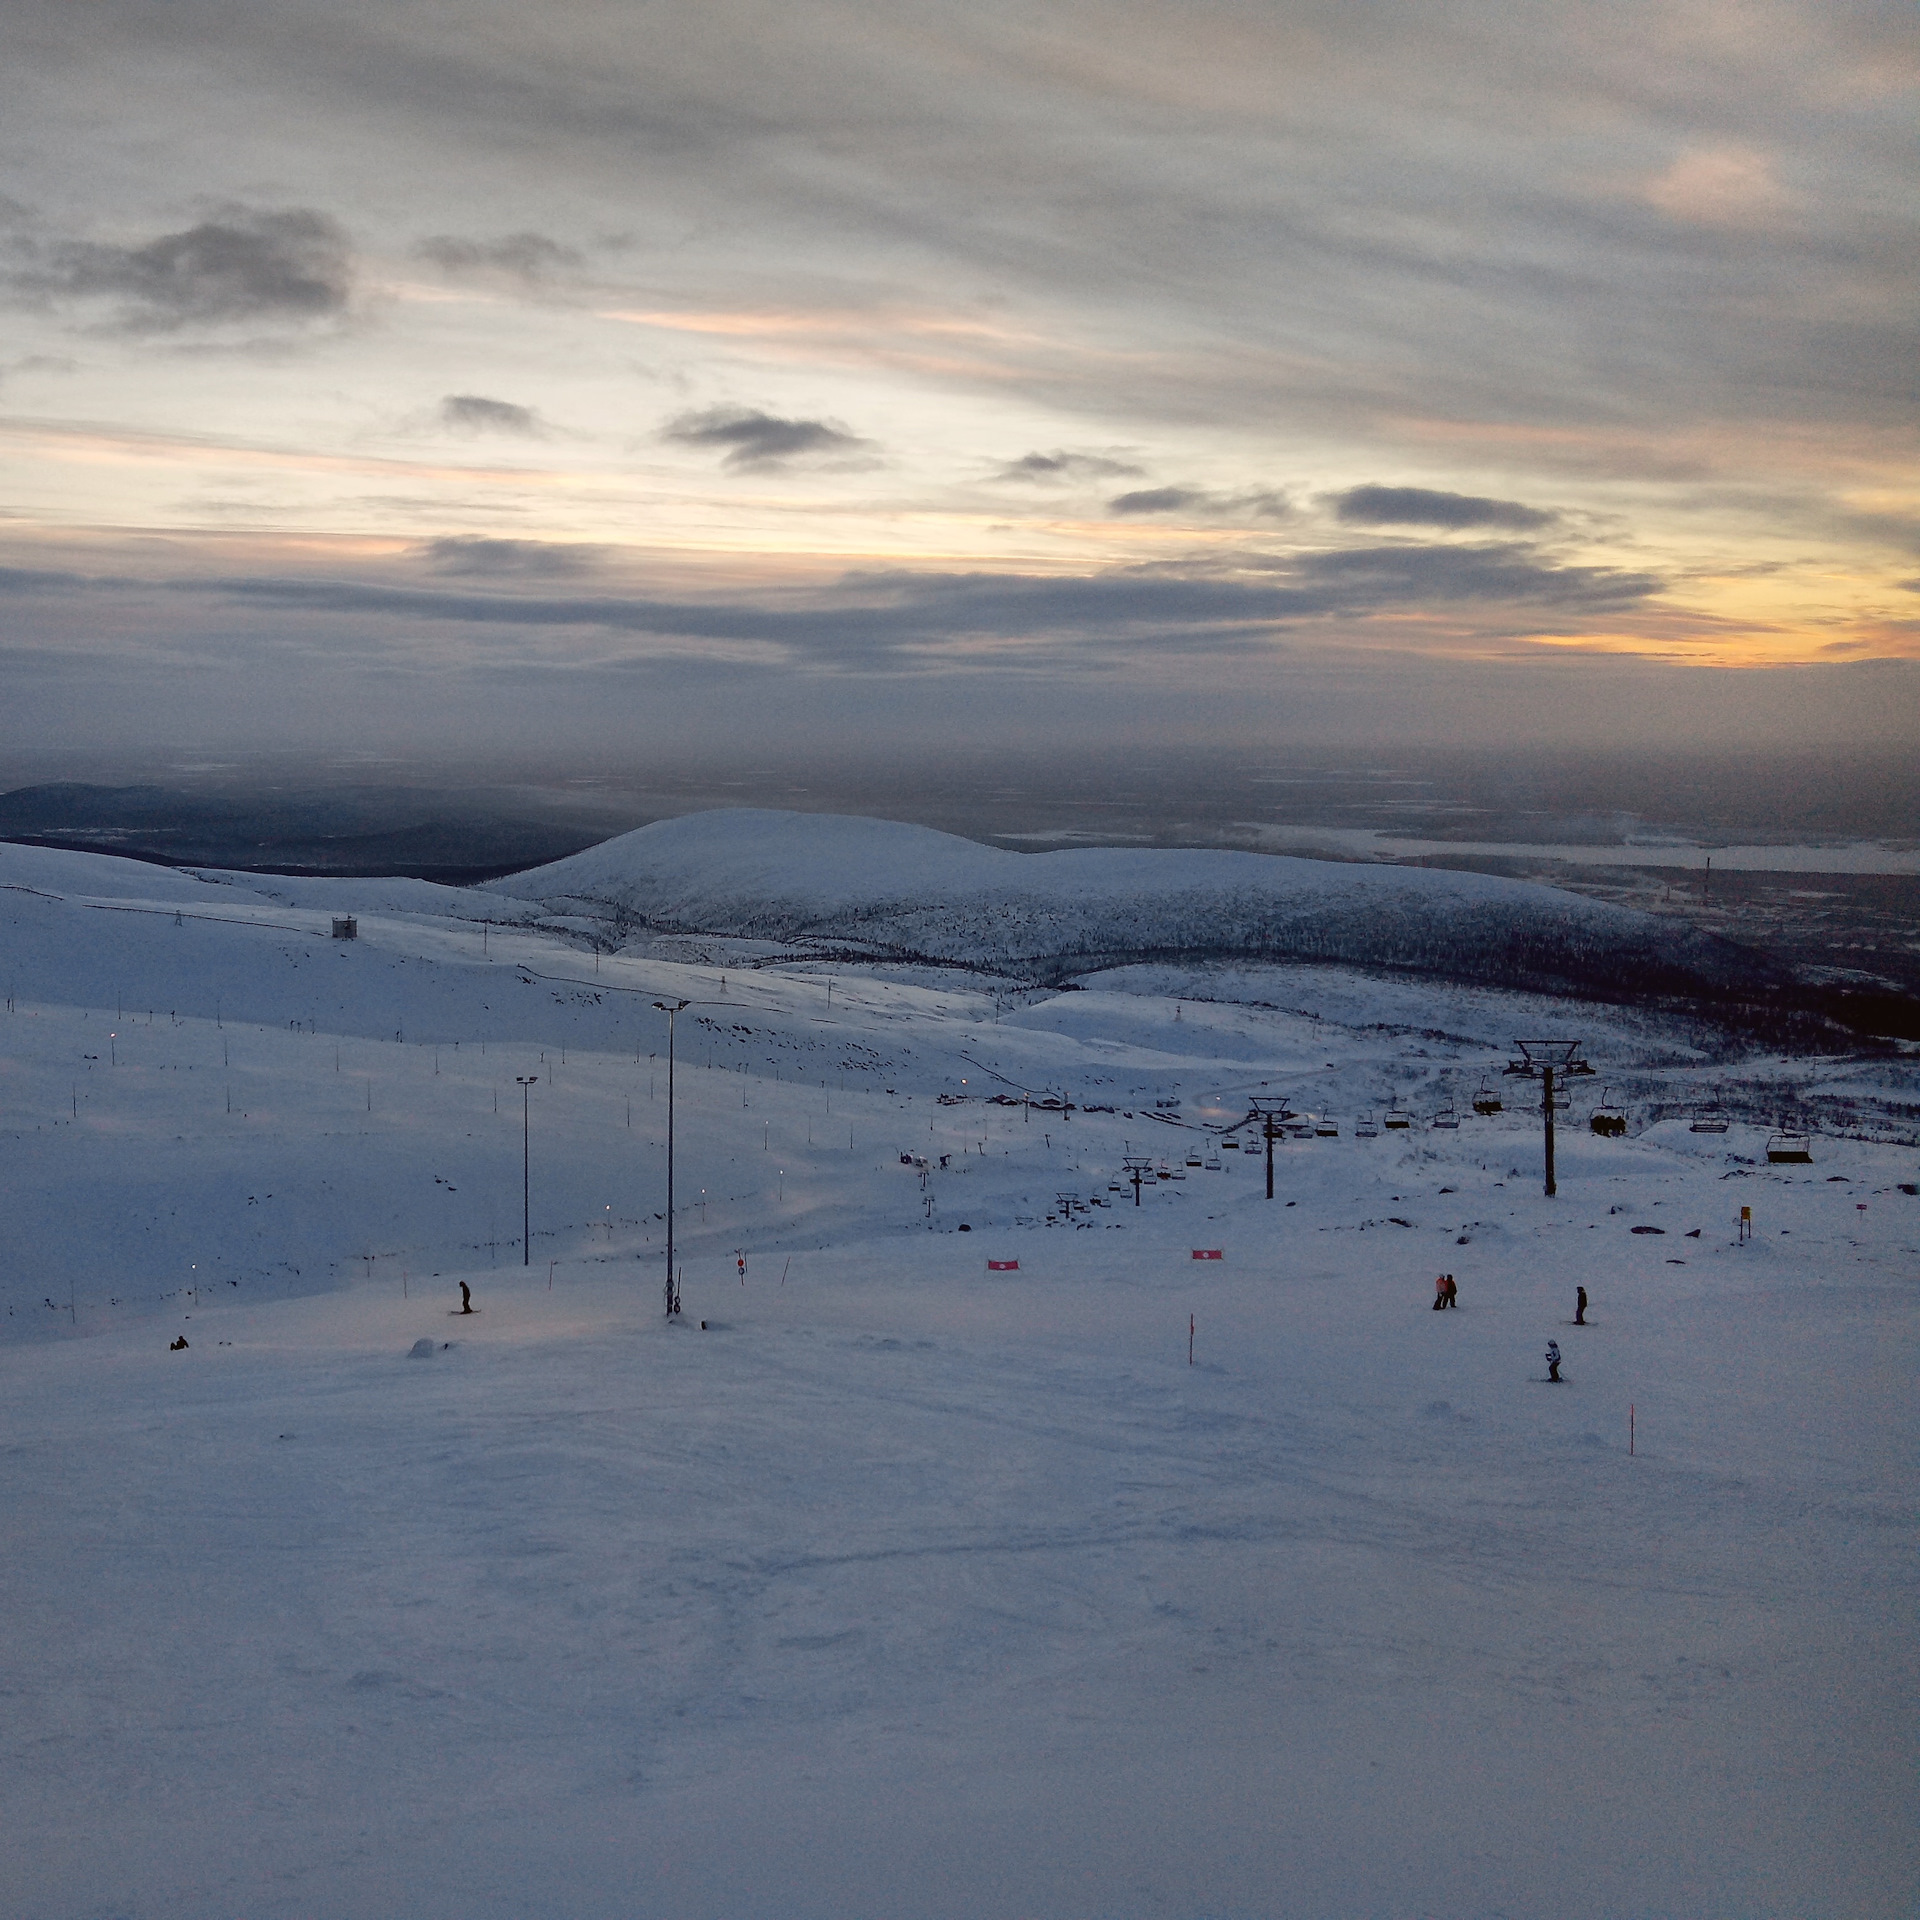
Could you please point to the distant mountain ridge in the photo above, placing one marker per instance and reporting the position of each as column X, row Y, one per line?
column 912, row 892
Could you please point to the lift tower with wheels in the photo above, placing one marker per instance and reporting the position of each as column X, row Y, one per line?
column 1269, row 1116
column 1546, row 1057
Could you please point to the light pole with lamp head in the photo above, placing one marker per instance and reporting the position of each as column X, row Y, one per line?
column 526, row 1081
column 670, row 1008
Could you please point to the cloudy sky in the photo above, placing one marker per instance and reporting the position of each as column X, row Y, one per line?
column 441, row 371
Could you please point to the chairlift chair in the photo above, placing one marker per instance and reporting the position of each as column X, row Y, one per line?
column 1398, row 1121
column 1446, row 1119
column 1610, row 1123
column 1214, row 1163
column 1521, row 1069
column 1486, row 1101
column 1194, row 1160
column 1365, row 1129
column 1230, row 1146
column 1326, row 1128
column 1786, row 1149
column 1709, row 1120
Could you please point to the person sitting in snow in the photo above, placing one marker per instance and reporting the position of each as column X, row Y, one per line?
column 1553, row 1361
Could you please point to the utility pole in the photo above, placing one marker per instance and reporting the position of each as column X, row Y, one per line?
column 670, row 1008
column 526, row 1081
column 1267, row 1115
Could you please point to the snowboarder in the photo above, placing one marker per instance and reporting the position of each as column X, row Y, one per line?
column 466, row 1298
column 1553, row 1362
column 1579, row 1306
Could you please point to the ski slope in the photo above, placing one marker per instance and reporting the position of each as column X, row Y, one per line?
column 907, row 1586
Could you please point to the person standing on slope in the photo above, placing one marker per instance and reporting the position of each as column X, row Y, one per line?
column 1579, row 1306
column 1453, row 1292
column 1439, row 1291
column 1553, row 1362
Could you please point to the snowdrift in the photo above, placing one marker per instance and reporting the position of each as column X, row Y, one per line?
column 912, row 893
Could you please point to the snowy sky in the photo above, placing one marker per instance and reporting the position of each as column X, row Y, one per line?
column 451, row 370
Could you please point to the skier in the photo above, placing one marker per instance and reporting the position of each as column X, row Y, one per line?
column 1439, row 1291
column 466, row 1298
column 1453, row 1292
column 1553, row 1362
column 1579, row 1306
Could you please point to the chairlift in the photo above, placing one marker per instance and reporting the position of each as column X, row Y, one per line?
column 1214, row 1163
column 1326, row 1128
column 1446, row 1119
column 1522, row 1068
column 1609, row 1122
column 1114, row 1186
column 1789, row 1149
column 1365, row 1129
column 1708, row 1120
column 1486, row 1101
column 1194, row 1160
column 1398, row 1121
column 1230, row 1146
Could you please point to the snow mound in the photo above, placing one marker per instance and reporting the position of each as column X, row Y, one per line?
column 909, row 891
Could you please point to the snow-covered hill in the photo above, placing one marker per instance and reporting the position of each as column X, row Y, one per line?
column 910, row 892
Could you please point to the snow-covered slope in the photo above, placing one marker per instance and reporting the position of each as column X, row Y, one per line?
column 911, row 891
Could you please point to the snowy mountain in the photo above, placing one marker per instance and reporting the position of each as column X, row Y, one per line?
column 912, row 893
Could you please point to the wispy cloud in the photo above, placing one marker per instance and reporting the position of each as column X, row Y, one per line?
column 1425, row 507
column 754, row 441
column 1258, row 503
column 243, row 266
column 526, row 257
column 1064, row 465
column 475, row 413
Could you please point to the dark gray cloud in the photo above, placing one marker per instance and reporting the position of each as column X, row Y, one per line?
column 1425, row 507
column 481, row 558
column 1061, row 464
column 898, row 621
column 242, row 267
column 519, row 256
column 475, row 413
column 1259, row 504
column 754, row 440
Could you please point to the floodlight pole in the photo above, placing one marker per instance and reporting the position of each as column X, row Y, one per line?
column 526, row 1081
column 670, row 1008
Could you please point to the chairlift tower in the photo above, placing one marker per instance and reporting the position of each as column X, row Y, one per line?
column 1137, row 1169
column 671, row 1008
column 1546, row 1057
column 1269, row 1116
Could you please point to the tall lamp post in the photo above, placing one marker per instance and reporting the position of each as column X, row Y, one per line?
column 670, row 1008
column 526, row 1081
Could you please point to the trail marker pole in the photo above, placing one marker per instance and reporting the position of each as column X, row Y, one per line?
column 1629, row 1429
column 1189, row 1339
